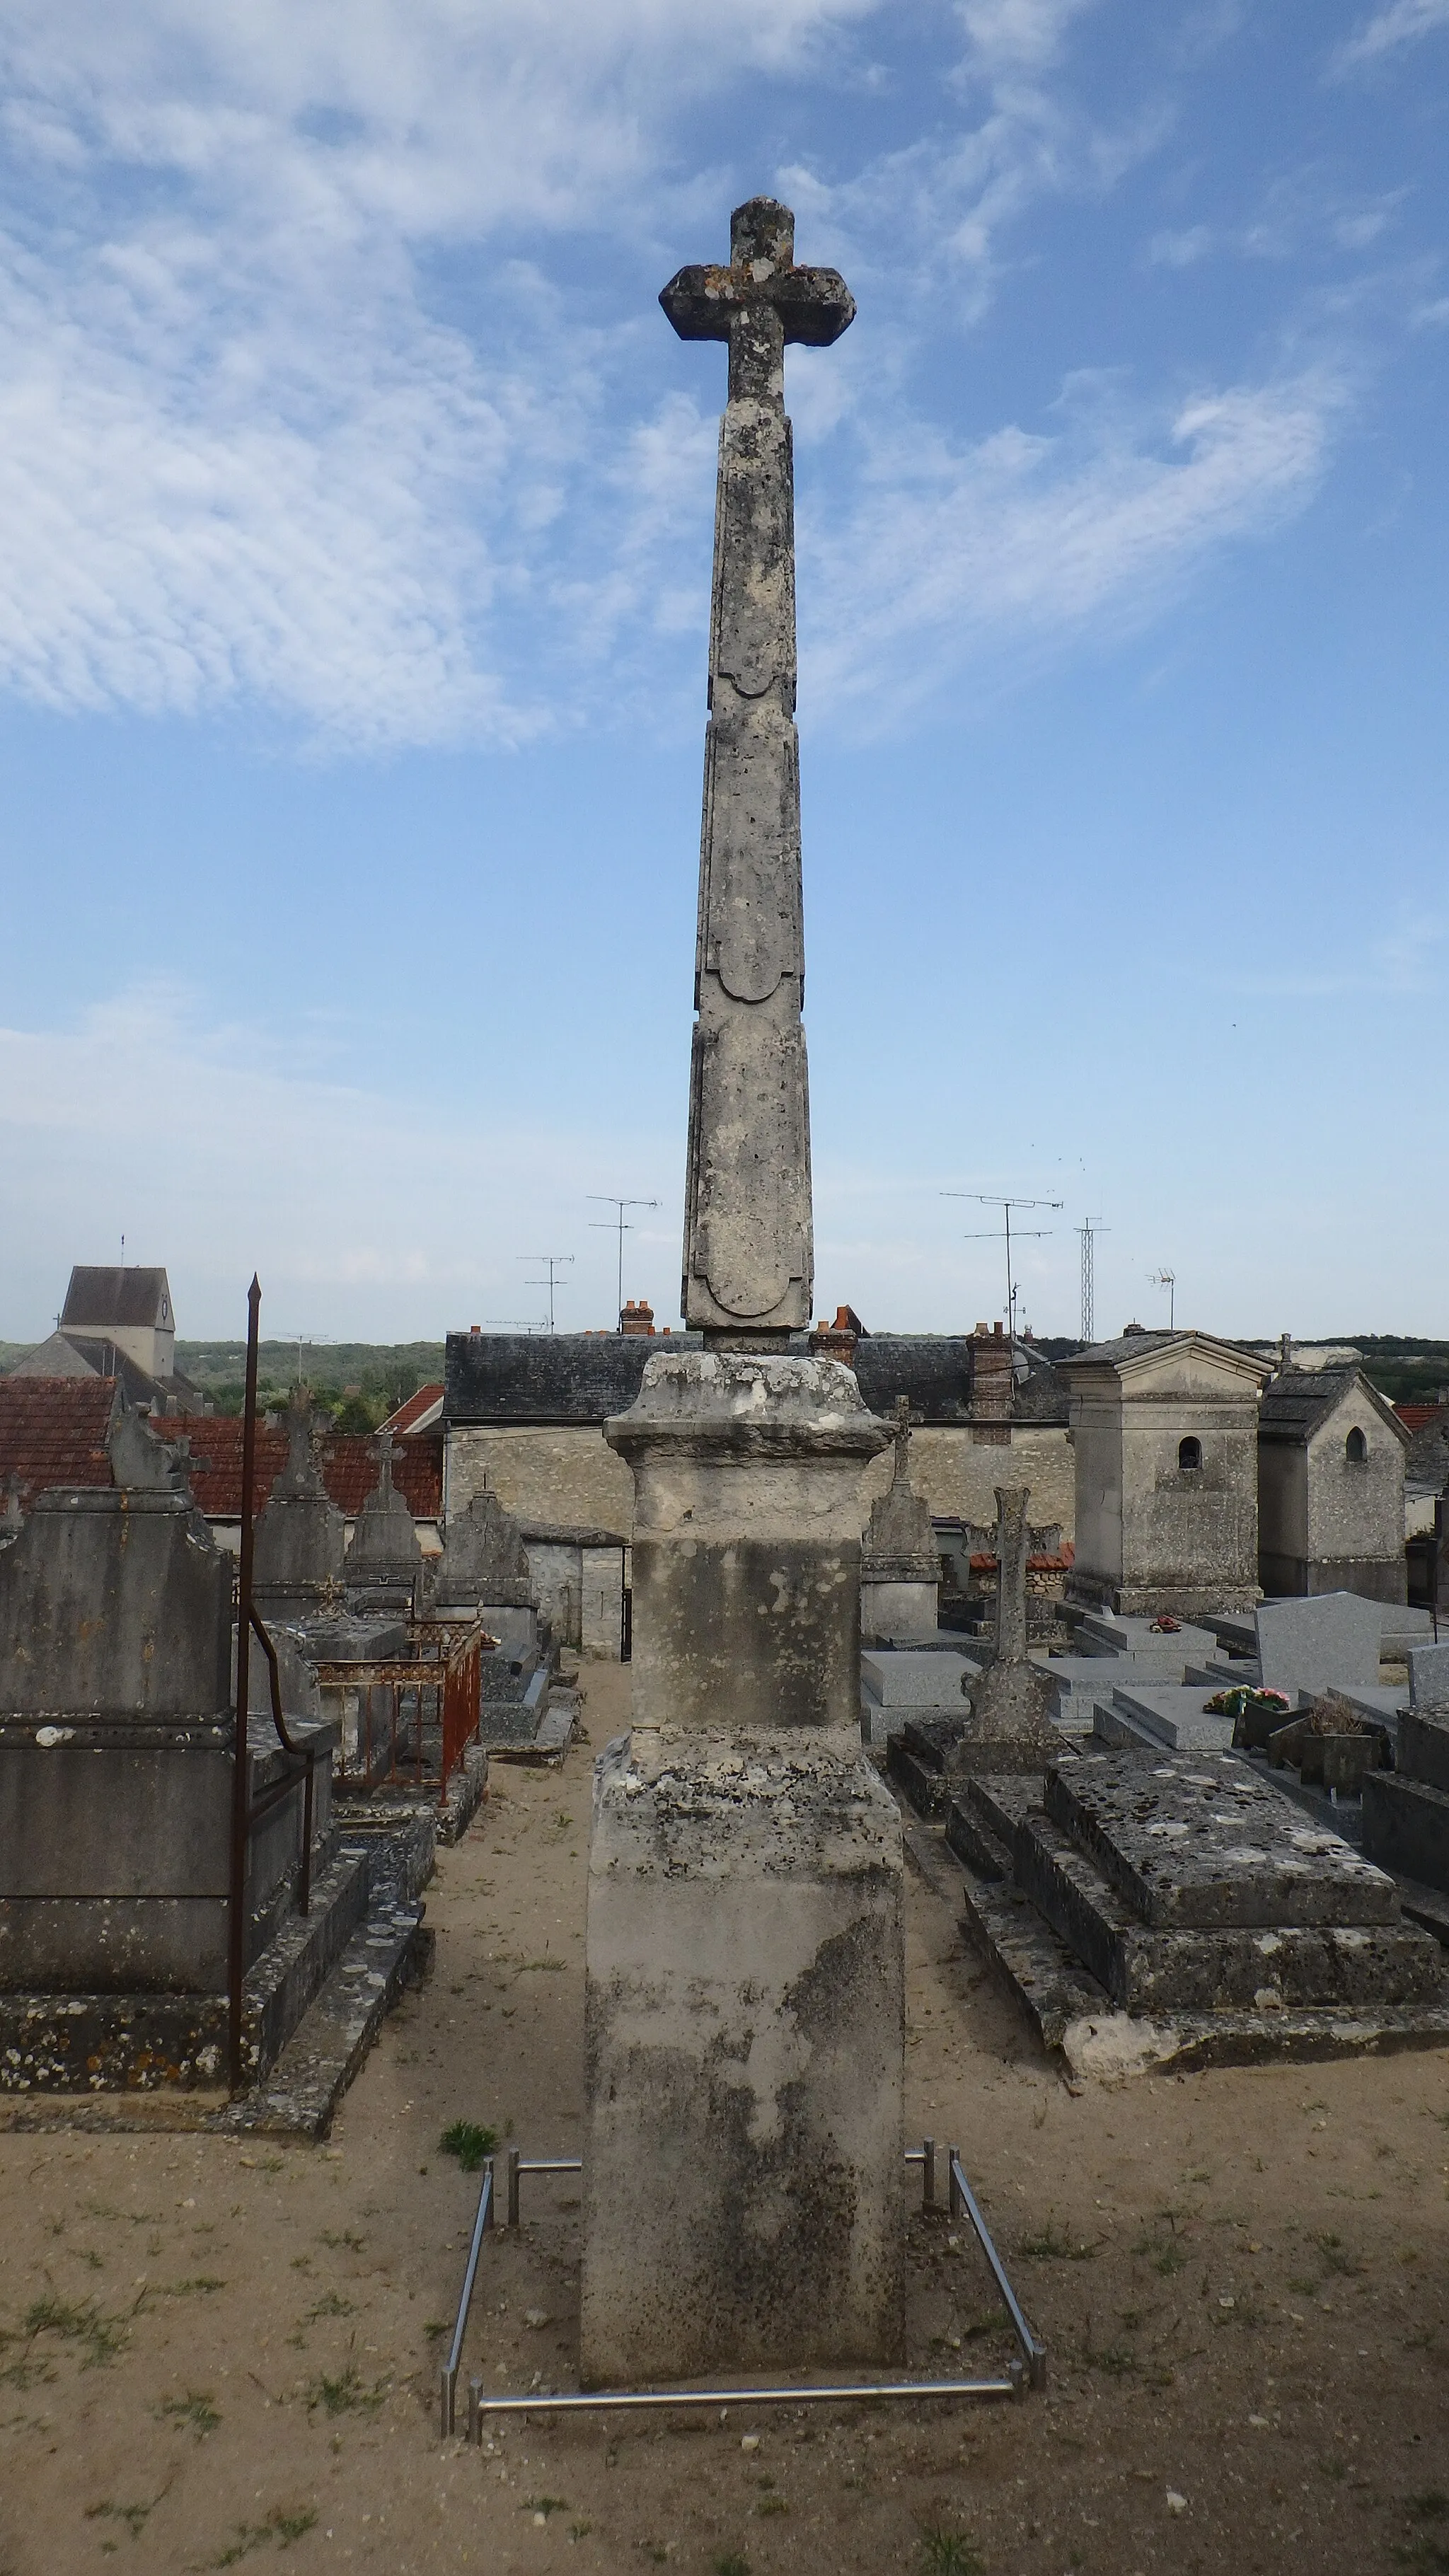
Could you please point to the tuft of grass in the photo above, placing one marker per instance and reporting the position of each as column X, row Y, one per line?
column 1335, row 2257
column 552, row 1966
column 199, row 2286
column 1052, row 2246
column 194, row 2409
column 332, row 2304
column 1431, row 2506
column 101, row 2337
column 280, row 2529
column 346, row 2394
column 769, row 2504
column 545, row 2505
column 346, row 2236
column 469, row 2144
column 950, row 2553
column 733, row 2563
column 134, row 2516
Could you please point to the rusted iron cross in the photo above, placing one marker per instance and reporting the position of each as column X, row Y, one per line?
column 760, row 301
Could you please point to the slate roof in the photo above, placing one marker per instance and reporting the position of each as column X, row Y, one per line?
column 548, row 1377
column 1128, row 1347
column 53, row 1432
column 100, row 1297
column 1297, row 1402
column 65, row 1355
column 558, row 1378
column 348, row 1461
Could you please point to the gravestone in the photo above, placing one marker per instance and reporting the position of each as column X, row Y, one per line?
column 1428, row 1676
column 484, row 1571
column 384, row 1559
column 300, row 1534
column 900, row 1571
column 745, row 1967
column 1328, row 1642
column 1010, row 1726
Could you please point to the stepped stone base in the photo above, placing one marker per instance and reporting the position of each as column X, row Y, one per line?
column 312, row 2006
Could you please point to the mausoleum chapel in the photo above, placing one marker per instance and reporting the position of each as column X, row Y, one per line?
column 696, row 1893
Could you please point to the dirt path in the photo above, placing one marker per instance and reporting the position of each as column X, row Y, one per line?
column 217, row 2353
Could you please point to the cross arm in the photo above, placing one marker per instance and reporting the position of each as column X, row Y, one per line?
column 814, row 304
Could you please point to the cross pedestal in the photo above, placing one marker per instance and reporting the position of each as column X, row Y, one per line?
column 745, row 2011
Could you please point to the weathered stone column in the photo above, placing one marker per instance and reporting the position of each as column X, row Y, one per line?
column 745, row 1998
column 1010, row 1727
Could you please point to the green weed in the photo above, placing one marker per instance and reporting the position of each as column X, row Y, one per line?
column 950, row 2553
column 280, row 2528
column 134, row 2516
column 545, row 2505
column 1052, row 2246
column 194, row 2409
column 346, row 2394
column 346, row 2237
column 469, row 2144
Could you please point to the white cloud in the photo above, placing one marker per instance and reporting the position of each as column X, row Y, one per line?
column 309, row 402
column 217, row 1149
column 1401, row 24
column 1029, row 536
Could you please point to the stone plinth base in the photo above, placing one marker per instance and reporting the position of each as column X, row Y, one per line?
column 899, row 1612
column 742, row 2162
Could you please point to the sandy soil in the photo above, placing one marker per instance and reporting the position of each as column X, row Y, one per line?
column 217, row 2353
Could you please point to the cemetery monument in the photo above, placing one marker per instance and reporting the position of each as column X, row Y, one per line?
column 745, row 1976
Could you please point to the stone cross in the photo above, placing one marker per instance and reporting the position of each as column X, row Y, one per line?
column 748, row 1229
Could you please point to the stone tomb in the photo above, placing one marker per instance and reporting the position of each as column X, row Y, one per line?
column 1406, row 1816
column 1191, row 1895
column 116, row 1760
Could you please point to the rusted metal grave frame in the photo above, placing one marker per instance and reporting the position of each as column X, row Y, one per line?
column 246, row 1811
column 452, row 1672
column 1028, row 2371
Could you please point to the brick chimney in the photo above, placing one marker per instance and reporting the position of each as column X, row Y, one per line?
column 636, row 1318
column 837, row 1341
column 990, row 1388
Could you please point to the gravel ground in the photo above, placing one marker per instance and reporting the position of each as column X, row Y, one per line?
column 217, row 2353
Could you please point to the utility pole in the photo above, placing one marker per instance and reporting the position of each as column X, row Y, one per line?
column 1027, row 1234
column 1089, row 1233
column 556, row 1261
column 617, row 1225
column 1168, row 1279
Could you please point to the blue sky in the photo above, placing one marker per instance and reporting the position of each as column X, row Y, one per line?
column 353, row 608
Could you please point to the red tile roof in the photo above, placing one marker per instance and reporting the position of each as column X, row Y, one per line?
column 53, row 1432
column 348, row 1461
column 413, row 1409
column 1416, row 1415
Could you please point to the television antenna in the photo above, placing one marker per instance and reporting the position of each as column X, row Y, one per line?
column 1024, row 1234
column 306, row 1341
column 1089, row 1233
column 1167, row 1279
column 556, row 1261
column 619, row 1225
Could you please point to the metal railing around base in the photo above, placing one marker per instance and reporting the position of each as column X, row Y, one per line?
column 1027, row 2370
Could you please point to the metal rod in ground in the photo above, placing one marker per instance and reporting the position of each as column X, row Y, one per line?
column 448, row 2391
column 1031, row 2344
column 241, row 1767
column 634, row 2401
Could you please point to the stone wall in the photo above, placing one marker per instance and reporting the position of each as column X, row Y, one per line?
column 958, row 1477
column 565, row 1474
column 541, row 1472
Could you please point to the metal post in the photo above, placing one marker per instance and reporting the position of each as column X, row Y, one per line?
column 513, row 2192
column 953, row 2168
column 448, row 2386
column 928, row 2174
column 241, row 1765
